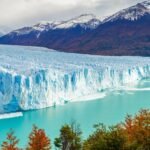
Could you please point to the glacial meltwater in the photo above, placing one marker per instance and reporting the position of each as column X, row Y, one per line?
column 109, row 110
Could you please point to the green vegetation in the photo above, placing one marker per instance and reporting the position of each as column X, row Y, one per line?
column 132, row 134
column 70, row 138
column 105, row 139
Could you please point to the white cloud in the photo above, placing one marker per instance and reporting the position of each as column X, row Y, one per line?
column 17, row 13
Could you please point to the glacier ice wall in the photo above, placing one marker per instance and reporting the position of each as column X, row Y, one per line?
column 32, row 78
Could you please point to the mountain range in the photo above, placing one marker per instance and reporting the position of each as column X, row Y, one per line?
column 126, row 32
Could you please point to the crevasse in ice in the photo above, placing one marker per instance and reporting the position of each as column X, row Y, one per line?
column 32, row 78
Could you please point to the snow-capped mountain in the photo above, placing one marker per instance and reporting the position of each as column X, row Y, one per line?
column 86, row 21
column 46, row 25
column 127, row 32
column 131, row 13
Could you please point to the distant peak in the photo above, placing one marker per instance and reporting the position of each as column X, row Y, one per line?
column 86, row 16
column 146, row 4
column 84, row 20
column 132, row 13
column 46, row 25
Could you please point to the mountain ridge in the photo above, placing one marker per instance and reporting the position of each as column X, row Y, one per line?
column 124, row 33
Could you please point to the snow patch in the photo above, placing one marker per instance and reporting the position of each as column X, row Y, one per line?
column 131, row 13
column 86, row 21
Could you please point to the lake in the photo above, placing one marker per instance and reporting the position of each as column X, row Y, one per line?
column 109, row 110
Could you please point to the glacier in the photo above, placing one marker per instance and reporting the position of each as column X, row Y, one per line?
column 35, row 77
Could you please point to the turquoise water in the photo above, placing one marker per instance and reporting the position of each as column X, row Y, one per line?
column 109, row 110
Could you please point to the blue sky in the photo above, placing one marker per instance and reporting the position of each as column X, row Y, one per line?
column 18, row 13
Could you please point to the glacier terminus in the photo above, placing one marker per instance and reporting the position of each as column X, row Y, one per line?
column 33, row 78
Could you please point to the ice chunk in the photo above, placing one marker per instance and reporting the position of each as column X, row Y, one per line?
column 11, row 115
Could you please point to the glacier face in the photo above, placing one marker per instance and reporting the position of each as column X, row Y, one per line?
column 32, row 78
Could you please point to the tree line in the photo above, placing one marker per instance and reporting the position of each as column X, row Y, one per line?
column 132, row 134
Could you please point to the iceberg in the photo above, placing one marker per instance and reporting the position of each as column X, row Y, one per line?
column 11, row 115
column 35, row 77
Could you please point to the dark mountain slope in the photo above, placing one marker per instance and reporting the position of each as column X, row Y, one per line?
column 121, row 37
column 125, row 33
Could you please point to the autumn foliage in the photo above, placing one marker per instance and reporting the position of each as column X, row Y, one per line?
column 11, row 142
column 38, row 140
column 137, row 131
column 132, row 134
